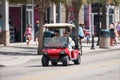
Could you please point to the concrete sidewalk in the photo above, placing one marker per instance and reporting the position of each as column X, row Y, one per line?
column 18, row 53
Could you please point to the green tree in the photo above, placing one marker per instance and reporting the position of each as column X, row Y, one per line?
column 42, row 5
column 76, row 4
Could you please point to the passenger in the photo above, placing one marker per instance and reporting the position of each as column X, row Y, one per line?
column 71, row 43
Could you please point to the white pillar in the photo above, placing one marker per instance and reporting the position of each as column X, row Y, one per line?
column 107, row 17
column 119, row 13
column 54, row 13
column 33, row 20
column 116, row 14
column 92, row 24
column 4, row 11
column 90, row 18
column 5, row 16
column 60, row 19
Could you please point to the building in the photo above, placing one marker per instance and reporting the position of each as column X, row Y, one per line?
column 18, row 16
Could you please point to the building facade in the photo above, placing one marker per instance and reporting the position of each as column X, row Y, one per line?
column 17, row 16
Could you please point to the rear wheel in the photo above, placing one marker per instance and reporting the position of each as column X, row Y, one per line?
column 65, row 60
column 78, row 60
column 45, row 61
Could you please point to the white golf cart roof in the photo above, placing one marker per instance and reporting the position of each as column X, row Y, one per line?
column 59, row 25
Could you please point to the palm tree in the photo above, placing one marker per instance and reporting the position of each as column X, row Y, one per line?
column 76, row 4
column 42, row 5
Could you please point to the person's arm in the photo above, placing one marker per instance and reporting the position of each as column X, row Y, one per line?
column 25, row 33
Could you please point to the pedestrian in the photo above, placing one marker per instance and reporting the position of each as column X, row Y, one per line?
column 116, row 33
column 87, row 35
column 112, row 34
column 28, row 34
column 118, row 28
column 116, row 37
column 36, row 31
column 80, row 33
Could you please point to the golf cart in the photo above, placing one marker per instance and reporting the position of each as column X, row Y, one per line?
column 55, row 49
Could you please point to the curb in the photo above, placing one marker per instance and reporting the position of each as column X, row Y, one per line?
column 102, row 50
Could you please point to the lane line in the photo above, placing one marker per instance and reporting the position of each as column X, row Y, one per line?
column 69, row 71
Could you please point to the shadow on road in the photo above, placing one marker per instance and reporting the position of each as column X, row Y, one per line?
column 23, row 47
column 18, row 50
column 58, row 65
column 16, row 53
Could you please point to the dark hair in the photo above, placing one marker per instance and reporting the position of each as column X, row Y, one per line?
column 29, row 26
column 56, row 31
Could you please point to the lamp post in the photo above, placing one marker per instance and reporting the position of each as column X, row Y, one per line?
column 98, row 25
column 92, row 29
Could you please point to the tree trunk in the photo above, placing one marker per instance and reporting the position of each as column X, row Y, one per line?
column 40, row 38
column 103, row 25
column 67, row 14
column 76, row 13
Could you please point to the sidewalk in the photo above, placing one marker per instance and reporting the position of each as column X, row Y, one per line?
column 18, row 53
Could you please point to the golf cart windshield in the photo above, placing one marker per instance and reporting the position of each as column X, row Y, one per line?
column 58, row 42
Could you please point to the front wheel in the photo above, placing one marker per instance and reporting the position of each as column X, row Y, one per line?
column 45, row 61
column 78, row 60
column 65, row 60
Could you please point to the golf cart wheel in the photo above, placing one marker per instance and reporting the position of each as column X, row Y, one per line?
column 65, row 60
column 78, row 60
column 54, row 63
column 45, row 61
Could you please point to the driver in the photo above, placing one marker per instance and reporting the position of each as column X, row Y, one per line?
column 56, row 34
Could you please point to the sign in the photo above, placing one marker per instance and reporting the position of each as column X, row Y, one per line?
column 0, row 1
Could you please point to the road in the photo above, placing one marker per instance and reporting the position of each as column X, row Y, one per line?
column 94, row 66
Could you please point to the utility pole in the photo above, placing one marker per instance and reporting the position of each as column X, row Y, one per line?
column 98, row 25
column 92, row 29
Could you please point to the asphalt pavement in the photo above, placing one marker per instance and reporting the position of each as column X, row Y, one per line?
column 19, row 53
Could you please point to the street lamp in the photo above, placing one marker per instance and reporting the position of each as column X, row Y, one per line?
column 92, row 29
column 98, row 25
